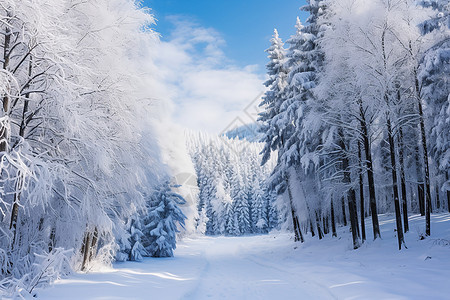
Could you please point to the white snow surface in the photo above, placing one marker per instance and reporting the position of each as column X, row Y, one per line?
column 274, row 267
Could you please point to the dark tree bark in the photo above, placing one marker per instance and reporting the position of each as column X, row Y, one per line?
column 333, row 220
column 51, row 243
column 344, row 217
column 370, row 176
column 15, row 210
column 420, row 186
column 438, row 201
column 93, row 246
column 398, row 218
column 311, row 227
column 319, row 230
column 297, row 231
column 403, row 180
column 351, row 195
column 421, row 194
column 85, row 250
column 89, row 247
column 361, row 194
column 392, row 152
column 448, row 194
column 6, row 59
column 353, row 217
column 326, row 224
column 425, row 158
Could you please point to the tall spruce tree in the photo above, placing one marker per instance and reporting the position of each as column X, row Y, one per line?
column 160, row 224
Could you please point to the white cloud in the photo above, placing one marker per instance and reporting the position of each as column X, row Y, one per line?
column 208, row 91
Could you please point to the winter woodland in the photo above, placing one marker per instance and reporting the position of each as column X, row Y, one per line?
column 354, row 123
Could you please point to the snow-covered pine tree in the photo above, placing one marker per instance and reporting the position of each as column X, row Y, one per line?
column 274, row 97
column 130, row 246
column 260, row 207
column 160, row 224
column 433, row 76
column 227, row 169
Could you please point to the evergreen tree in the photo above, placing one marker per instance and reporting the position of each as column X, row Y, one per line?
column 230, row 179
column 274, row 97
column 433, row 76
column 160, row 224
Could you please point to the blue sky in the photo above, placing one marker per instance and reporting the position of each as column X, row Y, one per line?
column 245, row 25
column 211, row 59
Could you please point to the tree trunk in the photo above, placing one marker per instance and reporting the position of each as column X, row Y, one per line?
column 312, row 228
column 421, row 194
column 438, row 201
column 448, row 193
column 85, row 250
column 403, row 180
column 398, row 217
column 319, row 230
column 420, row 186
column 326, row 228
column 333, row 220
column 343, row 211
column 51, row 243
column 370, row 177
column 353, row 217
column 295, row 222
column 93, row 246
column 15, row 209
column 351, row 195
column 361, row 194
column 6, row 59
column 19, row 180
column 425, row 158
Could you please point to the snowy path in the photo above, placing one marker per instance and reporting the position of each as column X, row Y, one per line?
column 274, row 267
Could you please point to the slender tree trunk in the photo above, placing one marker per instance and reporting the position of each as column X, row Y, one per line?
column 448, row 193
column 425, row 158
column 319, row 230
column 41, row 224
column 299, row 229
column 398, row 218
column 421, row 194
column 351, row 195
column 15, row 209
column 51, row 243
column 19, row 180
column 403, row 180
column 23, row 123
column 295, row 222
column 326, row 225
column 6, row 59
column 420, row 186
column 353, row 217
column 370, row 176
column 85, row 250
column 312, row 228
column 361, row 194
column 93, row 246
column 438, row 201
column 343, row 211
column 333, row 220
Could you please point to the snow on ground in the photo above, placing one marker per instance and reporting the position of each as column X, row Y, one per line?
column 274, row 267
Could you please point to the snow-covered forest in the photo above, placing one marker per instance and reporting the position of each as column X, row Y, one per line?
column 358, row 109
column 79, row 158
column 354, row 128
column 233, row 195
